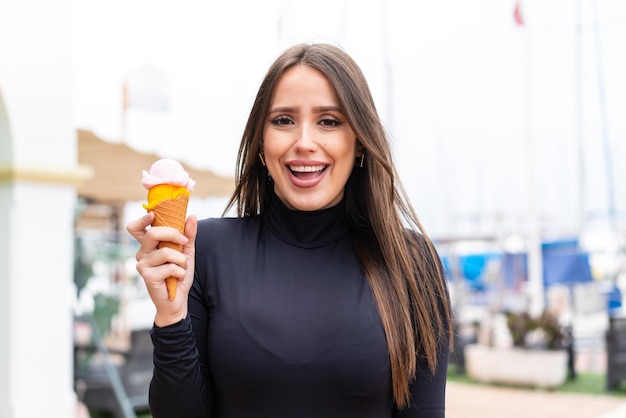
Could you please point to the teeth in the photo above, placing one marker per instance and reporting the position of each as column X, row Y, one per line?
column 306, row 168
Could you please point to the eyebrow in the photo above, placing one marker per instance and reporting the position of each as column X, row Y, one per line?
column 316, row 109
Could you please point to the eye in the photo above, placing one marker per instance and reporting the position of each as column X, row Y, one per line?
column 281, row 121
column 330, row 122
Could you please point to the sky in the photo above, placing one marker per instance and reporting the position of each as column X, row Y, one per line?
column 489, row 120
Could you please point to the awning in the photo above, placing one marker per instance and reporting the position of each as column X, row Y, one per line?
column 117, row 172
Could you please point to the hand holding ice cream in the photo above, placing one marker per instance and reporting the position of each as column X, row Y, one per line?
column 169, row 187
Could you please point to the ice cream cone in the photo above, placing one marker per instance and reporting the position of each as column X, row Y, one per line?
column 171, row 212
column 168, row 186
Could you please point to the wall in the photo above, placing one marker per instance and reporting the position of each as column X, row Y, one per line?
column 38, row 177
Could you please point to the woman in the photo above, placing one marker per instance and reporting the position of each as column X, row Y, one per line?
column 317, row 301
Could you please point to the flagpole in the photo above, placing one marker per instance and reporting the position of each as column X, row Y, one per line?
column 535, row 262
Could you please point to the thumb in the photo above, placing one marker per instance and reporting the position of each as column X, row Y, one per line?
column 191, row 229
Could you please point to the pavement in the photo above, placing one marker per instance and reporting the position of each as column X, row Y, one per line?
column 473, row 400
column 465, row 400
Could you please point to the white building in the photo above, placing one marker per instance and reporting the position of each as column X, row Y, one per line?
column 38, row 176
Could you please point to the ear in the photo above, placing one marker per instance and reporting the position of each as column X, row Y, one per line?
column 360, row 156
column 360, row 150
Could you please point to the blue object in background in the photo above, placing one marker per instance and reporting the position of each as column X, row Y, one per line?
column 567, row 268
column 560, row 246
column 470, row 267
column 514, row 269
column 614, row 300
column 473, row 266
column 563, row 263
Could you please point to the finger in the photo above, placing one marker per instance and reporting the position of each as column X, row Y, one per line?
column 157, row 265
column 165, row 234
column 137, row 228
column 164, row 255
column 157, row 235
column 189, row 250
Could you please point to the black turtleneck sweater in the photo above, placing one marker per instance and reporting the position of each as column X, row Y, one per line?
column 282, row 324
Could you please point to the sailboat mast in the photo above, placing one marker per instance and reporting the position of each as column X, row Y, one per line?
column 606, row 141
column 582, row 188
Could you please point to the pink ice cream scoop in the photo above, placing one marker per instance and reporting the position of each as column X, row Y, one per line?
column 166, row 171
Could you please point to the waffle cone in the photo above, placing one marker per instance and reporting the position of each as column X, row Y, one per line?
column 171, row 212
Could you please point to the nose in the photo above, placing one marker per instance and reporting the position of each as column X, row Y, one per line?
column 306, row 138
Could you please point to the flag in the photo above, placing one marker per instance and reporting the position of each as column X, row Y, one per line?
column 517, row 14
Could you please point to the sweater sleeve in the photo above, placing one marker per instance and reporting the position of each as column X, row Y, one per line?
column 177, row 387
column 181, row 383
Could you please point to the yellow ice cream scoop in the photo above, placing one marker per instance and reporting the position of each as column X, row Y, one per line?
column 161, row 192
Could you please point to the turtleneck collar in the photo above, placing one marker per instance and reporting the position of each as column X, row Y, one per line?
column 306, row 229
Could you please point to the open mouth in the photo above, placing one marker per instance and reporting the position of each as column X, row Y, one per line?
column 307, row 172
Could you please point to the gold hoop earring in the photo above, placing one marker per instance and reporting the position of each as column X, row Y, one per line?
column 262, row 159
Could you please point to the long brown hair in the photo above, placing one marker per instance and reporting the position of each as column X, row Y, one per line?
column 400, row 262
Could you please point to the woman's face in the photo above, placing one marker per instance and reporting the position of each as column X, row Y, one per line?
column 308, row 146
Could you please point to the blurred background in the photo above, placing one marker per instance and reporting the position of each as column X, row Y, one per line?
column 472, row 99
column 507, row 120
